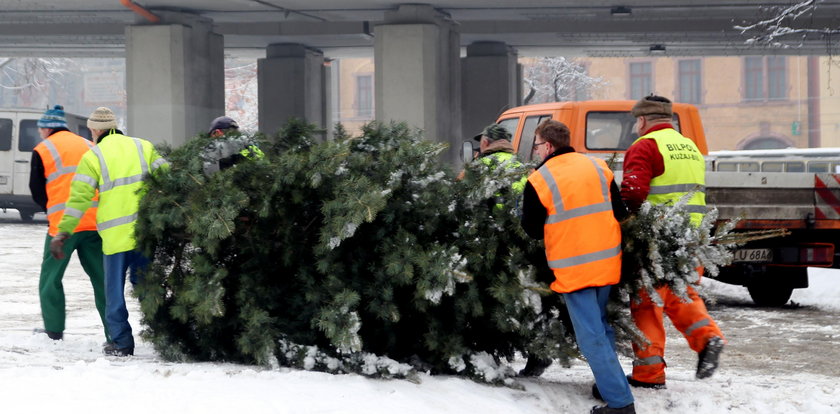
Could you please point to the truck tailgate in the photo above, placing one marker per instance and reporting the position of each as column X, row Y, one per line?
column 768, row 200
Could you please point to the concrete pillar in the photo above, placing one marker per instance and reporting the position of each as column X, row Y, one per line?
column 175, row 78
column 417, row 59
column 293, row 82
column 491, row 83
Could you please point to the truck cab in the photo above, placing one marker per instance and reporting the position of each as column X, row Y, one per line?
column 599, row 128
column 807, row 203
column 18, row 136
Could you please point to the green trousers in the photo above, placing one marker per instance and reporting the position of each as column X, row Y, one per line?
column 88, row 246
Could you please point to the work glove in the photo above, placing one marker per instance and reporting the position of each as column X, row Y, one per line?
column 57, row 245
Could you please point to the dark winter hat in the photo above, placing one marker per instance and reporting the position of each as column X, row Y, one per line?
column 102, row 119
column 493, row 132
column 223, row 123
column 652, row 105
column 53, row 118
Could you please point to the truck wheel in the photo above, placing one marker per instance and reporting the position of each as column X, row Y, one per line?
column 770, row 295
column 26, row 215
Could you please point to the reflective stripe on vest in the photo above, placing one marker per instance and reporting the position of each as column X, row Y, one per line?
column 59, row 207
column 562, row 214
column 582, row 237
column 60, row 169
column 60, row 154
column 108, row 184
column 685, row 171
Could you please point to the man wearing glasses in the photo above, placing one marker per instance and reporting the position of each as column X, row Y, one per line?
column 572, row 202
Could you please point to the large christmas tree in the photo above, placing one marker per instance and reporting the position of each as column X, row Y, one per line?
column 361, row 254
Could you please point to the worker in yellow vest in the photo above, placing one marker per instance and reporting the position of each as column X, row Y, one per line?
column 115, row 167
column 661, row 167
column 54, row 162
column 572, row 202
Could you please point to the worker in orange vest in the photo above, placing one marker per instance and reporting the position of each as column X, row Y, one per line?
column 661, row 167
column 54, row 162
column 572, row 202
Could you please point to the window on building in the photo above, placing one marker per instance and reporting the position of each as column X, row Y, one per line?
column 776, row 77
column 641, row 79
column 753, row 78
column 364, row 96
column 690, row 83
column 765, row 78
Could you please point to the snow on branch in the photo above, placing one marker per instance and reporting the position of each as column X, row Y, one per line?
column 773, row 31
column 556, row 79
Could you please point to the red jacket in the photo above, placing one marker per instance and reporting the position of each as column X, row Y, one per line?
column 642, row 162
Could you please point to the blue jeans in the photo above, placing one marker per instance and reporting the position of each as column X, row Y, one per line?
column 596, row 340
column 116, row 313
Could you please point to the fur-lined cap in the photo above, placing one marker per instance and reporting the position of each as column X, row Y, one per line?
column 652, row 105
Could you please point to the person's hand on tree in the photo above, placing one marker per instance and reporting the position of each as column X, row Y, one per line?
column 57, row 245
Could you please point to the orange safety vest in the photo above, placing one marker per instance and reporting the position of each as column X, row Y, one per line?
column 582, row 236
column 60, row 154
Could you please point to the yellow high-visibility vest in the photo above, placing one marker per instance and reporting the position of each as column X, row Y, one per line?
column 115, row 167
column 685, row 171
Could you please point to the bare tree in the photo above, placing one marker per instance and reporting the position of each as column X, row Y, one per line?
column 35, row 73
column 555, row 79
column 241, row 92
column 780, row 29
column 31, row 79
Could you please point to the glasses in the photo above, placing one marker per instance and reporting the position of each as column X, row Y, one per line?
column 536, row 144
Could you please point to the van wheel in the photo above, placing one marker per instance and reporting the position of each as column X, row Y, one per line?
column 26, row 215
column 771, row 295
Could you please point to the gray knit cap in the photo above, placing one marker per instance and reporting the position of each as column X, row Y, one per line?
column 102, row 119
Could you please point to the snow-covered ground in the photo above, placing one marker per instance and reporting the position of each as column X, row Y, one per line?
column 40, row 375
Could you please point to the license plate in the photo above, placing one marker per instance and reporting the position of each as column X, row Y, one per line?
column 753, row 255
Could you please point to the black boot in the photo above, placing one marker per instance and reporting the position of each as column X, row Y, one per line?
column 709, row 358
column 110, row 348
column 650, row 385
column 55, row 336
column 628, row 409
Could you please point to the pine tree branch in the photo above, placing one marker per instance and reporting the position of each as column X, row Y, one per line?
column 539, row 289
column 230, row 232
column 748, row 236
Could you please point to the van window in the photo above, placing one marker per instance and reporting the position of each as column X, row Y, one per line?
column 835, row 168
column 795, row 166
column 510, row 125
column 613, row 131
column 609, row 130
column 748, row 166
column 526, row 142
column 727, row 166
column 817, row 166
column 772, row 166
column 5, row 134
column 28, row 137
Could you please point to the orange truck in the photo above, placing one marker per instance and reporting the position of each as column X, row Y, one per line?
column 806, row 203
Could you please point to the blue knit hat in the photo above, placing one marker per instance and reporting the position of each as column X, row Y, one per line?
column 53, row 118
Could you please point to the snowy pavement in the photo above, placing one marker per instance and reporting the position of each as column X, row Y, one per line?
column 783, row 360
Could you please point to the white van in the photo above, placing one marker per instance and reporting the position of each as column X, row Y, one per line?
column 18, row 136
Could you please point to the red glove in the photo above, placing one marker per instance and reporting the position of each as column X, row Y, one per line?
column 57, row 245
